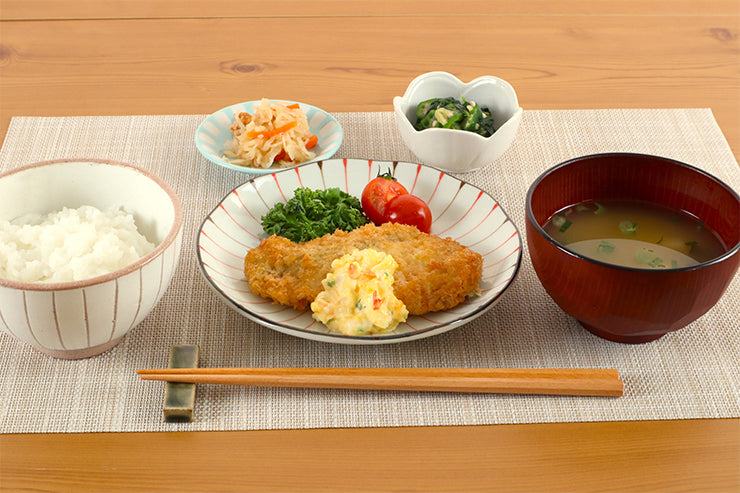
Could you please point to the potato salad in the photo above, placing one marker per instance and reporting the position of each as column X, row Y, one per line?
column 358, row 295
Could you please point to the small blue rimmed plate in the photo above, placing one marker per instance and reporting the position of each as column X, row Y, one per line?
column 213, row 134
column 461, row 211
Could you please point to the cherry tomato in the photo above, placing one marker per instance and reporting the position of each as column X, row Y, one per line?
column 409, row 209
column 377, row 193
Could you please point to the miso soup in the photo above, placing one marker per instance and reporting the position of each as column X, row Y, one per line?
column 634, row 234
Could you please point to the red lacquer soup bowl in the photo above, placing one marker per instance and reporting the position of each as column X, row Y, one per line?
column 626, row 304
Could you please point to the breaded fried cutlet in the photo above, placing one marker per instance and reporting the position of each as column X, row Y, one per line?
column 433, row 273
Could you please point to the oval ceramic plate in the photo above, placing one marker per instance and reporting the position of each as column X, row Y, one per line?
column 460, row 211
column 213, row 133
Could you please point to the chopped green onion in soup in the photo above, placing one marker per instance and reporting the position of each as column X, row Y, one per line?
column 664, row 238
column 628, row 227
column 632, row 253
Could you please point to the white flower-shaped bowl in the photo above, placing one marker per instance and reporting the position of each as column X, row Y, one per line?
column 458, row 151
column 79, row 319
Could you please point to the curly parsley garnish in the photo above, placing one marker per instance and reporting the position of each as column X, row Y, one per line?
column 313, row 213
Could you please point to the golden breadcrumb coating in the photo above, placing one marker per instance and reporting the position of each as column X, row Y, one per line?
column 433, row 273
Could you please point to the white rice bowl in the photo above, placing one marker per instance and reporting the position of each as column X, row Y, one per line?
column 69, row 245
column 92, row 221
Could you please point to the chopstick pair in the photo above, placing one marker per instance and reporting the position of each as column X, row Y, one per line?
column 554, row 381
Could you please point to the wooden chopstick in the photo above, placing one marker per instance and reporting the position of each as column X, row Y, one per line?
column 554, row 381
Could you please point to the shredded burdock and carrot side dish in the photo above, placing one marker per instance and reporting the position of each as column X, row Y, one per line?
column 276, row 134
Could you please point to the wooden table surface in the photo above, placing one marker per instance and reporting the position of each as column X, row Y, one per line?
column 119, row 57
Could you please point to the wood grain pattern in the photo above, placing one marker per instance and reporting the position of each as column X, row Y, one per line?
column 138, row 9
column 549, row 381
column 675, row 456
column 176, row 66
column 102, row 57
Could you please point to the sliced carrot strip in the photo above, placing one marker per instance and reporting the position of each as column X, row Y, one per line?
column 312, row 141
column 293, row 106
column 271, row 133
column 282, row 156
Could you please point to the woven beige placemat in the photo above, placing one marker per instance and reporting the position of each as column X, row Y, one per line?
column 690, row 374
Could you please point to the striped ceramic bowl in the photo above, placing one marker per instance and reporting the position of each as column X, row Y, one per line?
column 79, row 319
column 212, row 135
column 460, row 211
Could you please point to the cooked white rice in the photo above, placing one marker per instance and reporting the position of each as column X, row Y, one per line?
column 69, row 245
